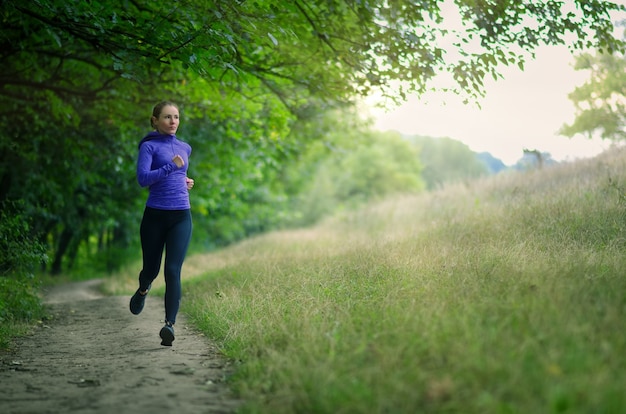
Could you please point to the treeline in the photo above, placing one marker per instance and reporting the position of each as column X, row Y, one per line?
column 89, row 214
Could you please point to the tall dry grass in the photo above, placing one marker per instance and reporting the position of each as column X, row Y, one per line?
column 501, row 295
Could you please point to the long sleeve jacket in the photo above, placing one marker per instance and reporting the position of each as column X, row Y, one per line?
column 156, row 170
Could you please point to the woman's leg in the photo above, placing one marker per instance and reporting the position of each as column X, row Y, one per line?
column 153, row 236
column 176, row 245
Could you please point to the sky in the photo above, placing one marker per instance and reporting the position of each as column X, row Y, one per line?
column 524, row 110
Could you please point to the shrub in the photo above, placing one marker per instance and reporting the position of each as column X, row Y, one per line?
column 20, row 255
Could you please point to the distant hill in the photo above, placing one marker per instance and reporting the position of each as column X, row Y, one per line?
column 494, row 165
column 447, row 160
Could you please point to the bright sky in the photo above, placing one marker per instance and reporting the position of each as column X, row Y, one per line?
column 524, row 110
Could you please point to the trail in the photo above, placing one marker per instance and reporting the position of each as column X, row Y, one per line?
column 93, row 356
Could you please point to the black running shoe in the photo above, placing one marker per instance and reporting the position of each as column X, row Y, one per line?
column 167, row 334
column 137, row 301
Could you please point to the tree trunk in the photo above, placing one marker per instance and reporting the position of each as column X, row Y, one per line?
column 64, row 242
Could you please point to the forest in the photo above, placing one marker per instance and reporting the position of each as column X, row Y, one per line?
column 269, row 95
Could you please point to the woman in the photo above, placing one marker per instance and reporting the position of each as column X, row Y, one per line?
column 162, row 167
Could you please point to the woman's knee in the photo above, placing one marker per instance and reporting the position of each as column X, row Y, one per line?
column 172, row 272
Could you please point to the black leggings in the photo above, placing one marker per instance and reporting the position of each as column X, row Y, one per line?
column 170, row 229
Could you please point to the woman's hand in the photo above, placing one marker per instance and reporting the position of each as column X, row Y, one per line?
column 190, row 183
column 178, row 160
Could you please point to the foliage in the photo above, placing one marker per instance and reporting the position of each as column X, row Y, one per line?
column 19, row 300
column 346, row 165
column 238, row 145
column 19, row 253
column 381, row 165
column 20, row 306
column 78, row 80
column 20, row 256
column 601, row 101
column 447, row 161
column 362, row 45
column 505, row 294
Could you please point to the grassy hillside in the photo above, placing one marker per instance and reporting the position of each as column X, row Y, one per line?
column 501, row 295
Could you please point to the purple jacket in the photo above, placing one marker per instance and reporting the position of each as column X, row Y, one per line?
column 156, row 170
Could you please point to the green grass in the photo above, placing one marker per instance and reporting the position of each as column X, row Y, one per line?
column 505, row 295
column 20, row 308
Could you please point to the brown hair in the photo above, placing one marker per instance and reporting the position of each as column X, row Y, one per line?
column 158, row 108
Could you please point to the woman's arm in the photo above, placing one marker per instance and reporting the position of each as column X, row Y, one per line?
column 145, row 175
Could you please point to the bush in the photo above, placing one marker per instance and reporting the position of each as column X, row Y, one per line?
column 20, row 255
column 19, row 301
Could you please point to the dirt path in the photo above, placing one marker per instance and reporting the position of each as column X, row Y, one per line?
column 94, row 356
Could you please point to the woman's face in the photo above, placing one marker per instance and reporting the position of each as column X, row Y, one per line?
column 167, row 122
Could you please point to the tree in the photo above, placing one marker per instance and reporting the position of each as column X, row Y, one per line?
column 534, row 159
column 334, row 48
column 447, row 161
column 601, row 101
column 350, row 166
column 73, row 76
